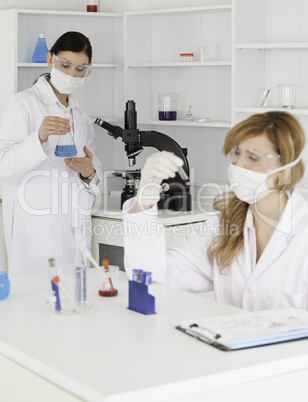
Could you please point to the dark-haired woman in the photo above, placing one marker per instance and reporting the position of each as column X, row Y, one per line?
column 253, row 252
column 45, row 196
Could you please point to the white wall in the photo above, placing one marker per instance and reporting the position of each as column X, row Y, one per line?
column 105, row 5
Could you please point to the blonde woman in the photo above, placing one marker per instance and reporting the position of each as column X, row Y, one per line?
column 253, row 252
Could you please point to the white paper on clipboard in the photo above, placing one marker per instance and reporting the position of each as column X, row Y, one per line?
column 249, row 329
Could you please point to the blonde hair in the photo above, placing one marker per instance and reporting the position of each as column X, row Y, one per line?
column 287, row 135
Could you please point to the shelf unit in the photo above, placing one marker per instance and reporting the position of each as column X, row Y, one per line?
column 103, row 89
column 249, row 45
column 153, row 42
column 270, row 48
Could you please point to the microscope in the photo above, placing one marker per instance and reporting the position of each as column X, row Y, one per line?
column 175, row 193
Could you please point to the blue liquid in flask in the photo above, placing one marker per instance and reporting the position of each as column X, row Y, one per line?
column 65, row 151
column 41, row 50
column 5, row 286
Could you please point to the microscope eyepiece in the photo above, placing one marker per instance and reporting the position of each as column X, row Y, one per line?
column 130, row 105
column 130, row 116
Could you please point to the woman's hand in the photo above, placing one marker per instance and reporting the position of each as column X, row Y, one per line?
column 53, row 125
column 158, row 167
column 82, row 165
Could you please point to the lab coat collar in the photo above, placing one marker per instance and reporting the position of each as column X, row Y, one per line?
column 290, row 224
column 48, row 95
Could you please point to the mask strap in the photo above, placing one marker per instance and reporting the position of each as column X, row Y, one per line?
column 284, row 167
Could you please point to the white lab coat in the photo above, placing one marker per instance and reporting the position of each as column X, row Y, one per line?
column 279, row 279
column 43, row 200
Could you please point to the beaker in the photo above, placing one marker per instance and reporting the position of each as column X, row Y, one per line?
column 287, row 95
column 65, row 147
column 167, row 107
column 67, row 289
column 109, row 281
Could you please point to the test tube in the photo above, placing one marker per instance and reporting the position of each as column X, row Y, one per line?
column 137, row 275
column 184, row 176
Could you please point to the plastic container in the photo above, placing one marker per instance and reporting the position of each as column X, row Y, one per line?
column 41, row 50
column 5, row 286
column 167, row 106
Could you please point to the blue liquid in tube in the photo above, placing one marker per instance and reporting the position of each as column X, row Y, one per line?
column 65, row 151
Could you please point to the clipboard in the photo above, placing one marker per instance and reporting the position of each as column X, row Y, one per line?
column 249, row 329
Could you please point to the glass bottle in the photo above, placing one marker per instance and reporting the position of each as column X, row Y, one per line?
column 65, row 147
column 41, row 50
column 92, row 6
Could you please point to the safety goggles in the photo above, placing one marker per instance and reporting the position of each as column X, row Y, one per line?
column 252, row 159
column 66, row 66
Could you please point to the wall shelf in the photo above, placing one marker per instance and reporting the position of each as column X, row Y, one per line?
column 254, row 110
column 272, row 46
column 44, row 65
column 186, row 10
column 183, row 123
column 181, row 64
column 68, row 13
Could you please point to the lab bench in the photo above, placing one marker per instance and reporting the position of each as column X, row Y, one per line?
column 112, row 354
column 107, row 226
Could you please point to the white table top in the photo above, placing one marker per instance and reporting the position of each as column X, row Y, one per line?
column 108, row 206
column 114, row 354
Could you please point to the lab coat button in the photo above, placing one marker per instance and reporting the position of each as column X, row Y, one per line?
column 249, row 290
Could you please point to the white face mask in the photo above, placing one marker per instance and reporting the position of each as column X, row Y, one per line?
column 250, row 186
column 65, row 84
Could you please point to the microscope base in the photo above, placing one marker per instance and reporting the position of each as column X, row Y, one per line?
column 175, row 202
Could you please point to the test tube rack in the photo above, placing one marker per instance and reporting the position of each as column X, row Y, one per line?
column 139, row 299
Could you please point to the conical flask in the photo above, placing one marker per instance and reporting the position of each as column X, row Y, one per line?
column 41, row 50
column 65, row 147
